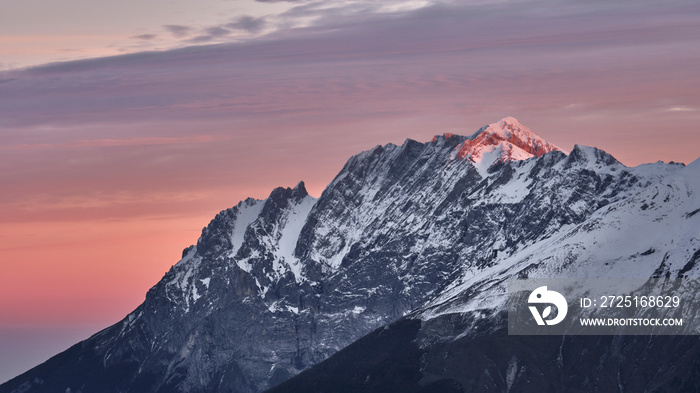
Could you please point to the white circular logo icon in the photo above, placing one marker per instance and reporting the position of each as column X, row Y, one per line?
column 542, row 296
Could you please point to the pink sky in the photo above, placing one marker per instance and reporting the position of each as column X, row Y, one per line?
column 111, row 166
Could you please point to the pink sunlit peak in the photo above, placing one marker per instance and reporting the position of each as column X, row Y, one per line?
column 513, row 140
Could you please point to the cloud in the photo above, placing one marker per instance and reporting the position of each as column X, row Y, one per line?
column 124, row 142
column 101, row 199
column 145, row 37
column 682, row 109
column 201, row 39
column 210, row 34
column 248, row 23
column 217, row 31
column 438, row 65
column 178, row 30
column 244, row 23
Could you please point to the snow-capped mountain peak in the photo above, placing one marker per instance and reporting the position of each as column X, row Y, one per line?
column 503, row 141
column 497, row 143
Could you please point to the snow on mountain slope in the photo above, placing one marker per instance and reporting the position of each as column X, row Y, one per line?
column 248, row 211
column 289, row 236
column 655, row 231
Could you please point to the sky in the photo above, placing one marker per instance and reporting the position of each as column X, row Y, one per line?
column 125, row 127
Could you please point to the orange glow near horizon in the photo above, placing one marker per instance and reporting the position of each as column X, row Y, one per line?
column 78, row 272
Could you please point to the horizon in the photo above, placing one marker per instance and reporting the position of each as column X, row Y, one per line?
column 113, row 163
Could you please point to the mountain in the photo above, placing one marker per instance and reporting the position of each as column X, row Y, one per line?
column 459, row 342
column 423, row 234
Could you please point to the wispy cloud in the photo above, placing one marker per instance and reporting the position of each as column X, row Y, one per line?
column 301, row 13
column 682, row 109
column 210, row 34
column 99, row 200
column 247, row 23
column 145, row 37
column 201, row 39
column 126, row 142
column 239, row 29
column 178, row 30
column 218, row 31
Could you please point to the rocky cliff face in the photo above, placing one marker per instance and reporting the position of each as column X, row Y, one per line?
column 275, row 286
